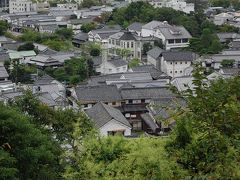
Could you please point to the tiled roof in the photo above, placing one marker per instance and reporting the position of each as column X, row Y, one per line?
column 155, row 73
column 118, row 62
column 3, row 72
column 136, row 26
column 97, row 93
column 155, row 52
column 102, row 114
column 149, row 121
column 169, row 33
column 146, row 93
column 178, row 56
column 81, row 36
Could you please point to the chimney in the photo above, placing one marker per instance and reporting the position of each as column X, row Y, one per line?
column 165, row 22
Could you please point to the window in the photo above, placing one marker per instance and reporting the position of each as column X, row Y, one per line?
column 180, row 71
column 110, row 70
column 184, row 40
column 118, row 42
column 130, row 101
column 170, row 62
column 127, row 115
column 171, row 72
column 113, row 103
column 137, row 126
column 171, row 41
column 178, row 40
column 175, row 62
column 180, row 62
column 142, row 100
column 175, row 71
column 127, row 44
column 185, row 62
column 133, row 115
column 112, row 133
column 131, row 44
column 109, row 41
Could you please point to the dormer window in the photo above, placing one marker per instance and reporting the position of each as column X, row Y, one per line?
column 175, row 31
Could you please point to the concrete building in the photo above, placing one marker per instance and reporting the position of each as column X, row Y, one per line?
column 68, row 6
column 172, row 36
column 4, row 5
column 179, row 5
column 16, row 6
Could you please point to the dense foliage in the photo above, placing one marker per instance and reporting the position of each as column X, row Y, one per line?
column 74, row 70
column 119, row 158
column 26, row 47
column 206, row 138
column 208, row 43
column 88, row 27
column 56, row 41
column 3, row 27
column 26, row 152
column 19, row 72
column 226, row 3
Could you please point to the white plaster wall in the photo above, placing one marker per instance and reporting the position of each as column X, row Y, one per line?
column 114, row 125
column 151, row 60
column 170, row 69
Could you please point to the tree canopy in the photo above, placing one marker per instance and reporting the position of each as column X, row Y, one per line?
column 26, row 153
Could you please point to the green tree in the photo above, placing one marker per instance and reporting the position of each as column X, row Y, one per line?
column 134, row 62
column 60, row 74
column 146, row 47
column 26, row 47
column 21, row 73
column 115, row 157
column 3, row 27
column 29, row 153
column 95, row 52
column 73, row 16
column 228, row 63
column 66, row 33
column 86, row 27
column 205, row 140
column 158, row 43
column 208, row 43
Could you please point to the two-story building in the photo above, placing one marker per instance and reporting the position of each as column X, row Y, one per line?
column 174, row 64
column 171, row 36
column 121, row 41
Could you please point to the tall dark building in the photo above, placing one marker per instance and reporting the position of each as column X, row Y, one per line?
column 4, row 5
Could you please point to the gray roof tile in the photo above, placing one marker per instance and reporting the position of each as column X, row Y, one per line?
column 102, row 114
column 155, row 52
column 136, row 26
column 102, row 93
column 3, row 72
column 178, row 56
column 146, row 93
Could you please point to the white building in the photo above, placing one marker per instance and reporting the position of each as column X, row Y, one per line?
column 174, row 64
column 126, row 40
column 171, row 36
column 68, row 6
column 109, row 120
column 16, row 6
column 112, row 65
column 222, row 18
column 179, row 5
